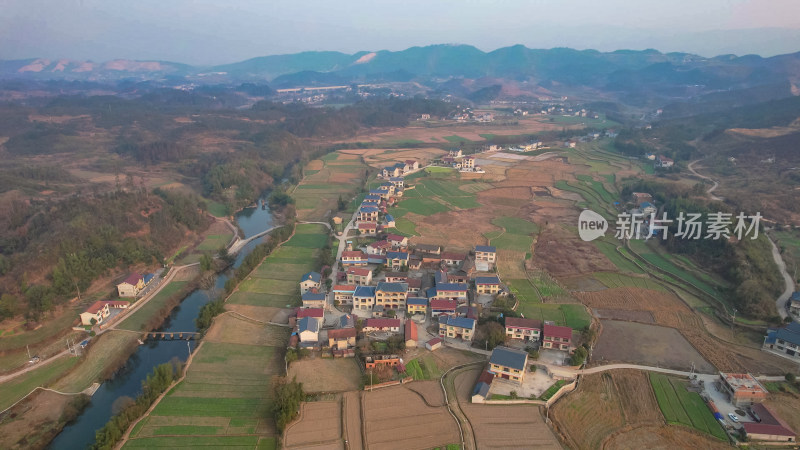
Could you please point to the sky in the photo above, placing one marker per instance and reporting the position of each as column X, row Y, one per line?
column 207, row 32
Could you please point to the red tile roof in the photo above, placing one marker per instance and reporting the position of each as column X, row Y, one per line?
column 133, row 279
column 342, row 333
column 434, row 341
column 367, row 226
column 96, row 306
column 360, row 271
column 411, row 330
column 395, row 237
column 520, row 322
column 382, row 323
column 353, row 254
column 764, row 428
column 310, row 312
column 414, row 282
column 556, row 331
column 444, row 304
column 344, row 287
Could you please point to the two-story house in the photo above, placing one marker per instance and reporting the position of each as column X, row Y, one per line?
column 556, row 337
column 439, row 307
column 456, row 327
column 354, row 258
column 487, row 285
column 417, row 305
column 523, row 329
column 310, row 280
column 364, row 298
column 451, row 291
column 485, row 257
column 396, row 260
column 392, row 296
column 359, row 276
column 508, row 363
column 131, row 286
column 343, row 294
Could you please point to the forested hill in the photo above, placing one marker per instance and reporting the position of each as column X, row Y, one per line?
column 94, row 186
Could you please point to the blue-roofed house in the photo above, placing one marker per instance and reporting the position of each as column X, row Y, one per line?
column 417, row 305
column 485, row 257
column 371, row 199
column 398, row 182
column 389, row 221
column 364, row 298
column 451, row 291
column 313, row 300
column 508, row 363
column 308, row 329
column 396, row 260
column 456, row 327
column 310, row 280
column 367, row 214
column 784, row 341
column 794, row 303
column 647, row 209
column 481, row 391
column 487, row 285
column 148, row 277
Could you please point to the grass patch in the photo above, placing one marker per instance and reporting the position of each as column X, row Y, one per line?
column 19, row 387
column 551, row 391
column 456, row 139
column 576, row 316
column 610, row 251
column 682, row 407
column 106, row 347
column 217, row 209
column 214, row 242
column 405, row 227
column 661, row 261
column 423, row 206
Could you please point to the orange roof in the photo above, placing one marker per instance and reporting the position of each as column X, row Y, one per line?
column 344, row 287
column 358, row 271
column 96, row 306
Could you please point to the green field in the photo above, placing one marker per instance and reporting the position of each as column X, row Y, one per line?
column 456, row 139
column 224, row 401
column 13, row 339
column 660, row 260
column 623, row 264
column 217, row 209
column 405, row 227
column 423, row 368
column 214, row 242
column 141, row 316
column 17, row 388
column 516, row 235
column 422, row 206
column 576, row 316
column 682, row 407
column 103, row 349
column 551, row 391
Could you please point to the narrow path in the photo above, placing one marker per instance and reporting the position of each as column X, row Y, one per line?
column 713, row 187
column 468, row 436
column 240, row 243
column 788, row 281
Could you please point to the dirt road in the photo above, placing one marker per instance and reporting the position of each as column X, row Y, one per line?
column 780, row 302
column 712, row 188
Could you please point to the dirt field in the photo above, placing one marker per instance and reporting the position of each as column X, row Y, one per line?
column 430, row 391
column 235, row 330
column 320, row 424
column 262, row 313
column 352, row 419
column 30, row 424
column 650, row 345
column 562, row 253
column 399, row 419
column 503, row 426
column 326, row 374
column 618, row 410
column 621, row 314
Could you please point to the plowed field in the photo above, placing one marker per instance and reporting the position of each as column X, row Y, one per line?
column 319, row 423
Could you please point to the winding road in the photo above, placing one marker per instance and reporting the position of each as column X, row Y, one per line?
column 710, row 190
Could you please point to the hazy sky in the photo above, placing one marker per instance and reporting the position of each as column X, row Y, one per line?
column 220, row 31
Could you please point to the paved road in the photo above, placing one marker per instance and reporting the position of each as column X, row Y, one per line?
column 712, row 188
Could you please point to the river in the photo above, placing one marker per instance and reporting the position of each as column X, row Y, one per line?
column 128, row 380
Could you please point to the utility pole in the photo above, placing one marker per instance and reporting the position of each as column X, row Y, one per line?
column 29, row 351
column 733, row 322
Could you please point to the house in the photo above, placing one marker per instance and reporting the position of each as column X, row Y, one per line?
column 648, row 209
column 97, row 311
column 508, row 363
column 386, row 325
column 434, row 344
column 453, row 259
column 742, row 388
column 770, row 427
column 368, row 214
column 308, row 329
column 359, row 276
column 392, row 171
column 429, row 249
column 414, row 262
column 342, row 338
column 391, row 295
column 148, row 277
column 640, row 197
column 451, row 291
column 455, row 153
column 377, row 259
column 387, row 187
column 354, row 258
column 343, row 294
column 442, row 307
column 784, row 341
column 664, row 162
column 388, row 221
column 487, row 285
column 397, row 240
column 313, row 300
column 316, row 313
column 468, row 163
column 379, row 247
column 456, row 327
column 383, row 195
column 412, row 165
column 523, row 329
column 396, row 260
column 410, row 334
column 485, row 257
column 398, row 182
column 368, row 228
column 481, row 390
column 414, row 285
column 556, row 337
column 794, row 303
column 310, row 280
column 397, row 277
column 371, row 362
column 131, row 286
column 371, row 200
column 417, row 305
column 364, row 298
column 346, row 321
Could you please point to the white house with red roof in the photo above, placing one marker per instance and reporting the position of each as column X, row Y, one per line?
column 523, row 329
column 354, row 258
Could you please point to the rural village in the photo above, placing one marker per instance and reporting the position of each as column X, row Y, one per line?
column 426, row 334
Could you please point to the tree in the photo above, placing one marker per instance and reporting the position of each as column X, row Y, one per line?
column 489, row 335
column 790, row 377
column 578, row 356
column 206, row 261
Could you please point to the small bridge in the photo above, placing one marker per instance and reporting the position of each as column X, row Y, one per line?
column 239, row 243
column 180, row 335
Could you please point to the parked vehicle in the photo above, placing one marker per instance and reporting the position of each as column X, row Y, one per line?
column 733, row 417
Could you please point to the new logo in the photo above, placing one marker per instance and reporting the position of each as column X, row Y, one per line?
column 591, row 225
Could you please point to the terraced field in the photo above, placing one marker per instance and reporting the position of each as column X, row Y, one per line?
column 682, row 407
column 335, row 174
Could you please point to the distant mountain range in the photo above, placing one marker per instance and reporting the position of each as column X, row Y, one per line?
column 668, row 74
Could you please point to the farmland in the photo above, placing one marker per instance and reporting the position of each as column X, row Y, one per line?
column 609, row 410
column 326, row 374
column 103, row 349
column 46, row 375
column 682, row 407
column 274, row 282
column 139, row 318
column 335, row 175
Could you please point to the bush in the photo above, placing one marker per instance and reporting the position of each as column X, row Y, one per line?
column 287, row 398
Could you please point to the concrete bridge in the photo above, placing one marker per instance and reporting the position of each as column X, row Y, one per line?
column 240, row 243
column 180, row 335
